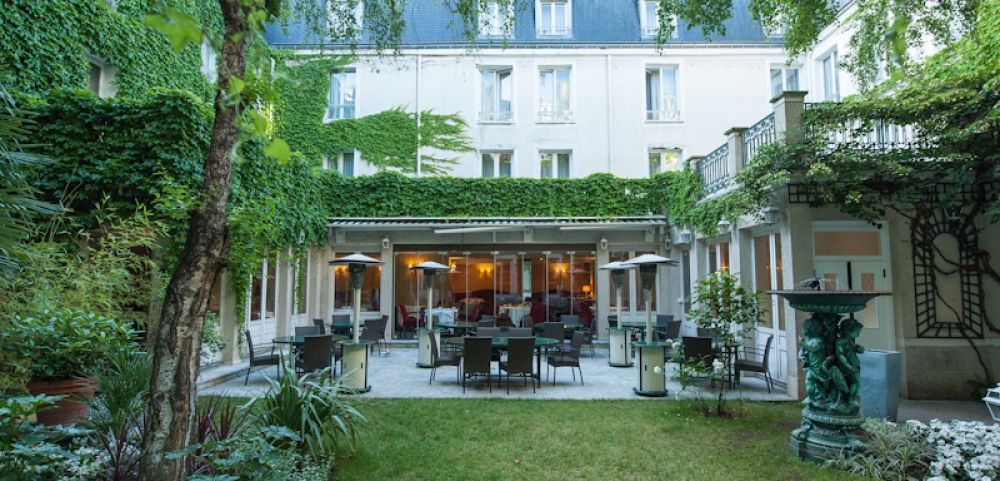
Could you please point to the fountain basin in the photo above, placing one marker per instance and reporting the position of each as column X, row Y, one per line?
column 827, row 302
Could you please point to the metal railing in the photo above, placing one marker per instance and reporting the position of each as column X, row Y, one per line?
column 759, row 135
column 714, row 170
column 870, row 136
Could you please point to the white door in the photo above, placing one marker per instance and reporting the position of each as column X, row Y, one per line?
column 864, row 275
column 767, row 276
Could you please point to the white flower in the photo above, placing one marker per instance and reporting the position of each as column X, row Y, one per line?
column 657, row 369
column 717, row 366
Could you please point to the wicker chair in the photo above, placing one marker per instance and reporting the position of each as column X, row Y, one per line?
column 569, row 358
column 317, row 354
column 319, row 323
column 520, row 354
column 757, row 366
column 439, row 360
column 259, row 358
column 477, row 360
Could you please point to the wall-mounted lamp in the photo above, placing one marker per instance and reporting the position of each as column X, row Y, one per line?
column 302, row 237
column 770, row 214
column 684, row 237
column 604, row 243
column 385, row 242
column 668, row 242
column 723, row 226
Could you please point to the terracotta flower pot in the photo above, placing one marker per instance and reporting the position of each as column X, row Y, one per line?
column 76, row 392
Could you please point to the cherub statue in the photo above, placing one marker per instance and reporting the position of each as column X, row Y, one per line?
column 813, row 358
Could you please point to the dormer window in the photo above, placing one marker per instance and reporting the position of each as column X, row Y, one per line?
column 345, row 18
column 554, row 17
column 649, row 18
column 496, row 18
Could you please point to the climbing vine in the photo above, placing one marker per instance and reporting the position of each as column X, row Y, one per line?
column 48, row 44
column 387, row 140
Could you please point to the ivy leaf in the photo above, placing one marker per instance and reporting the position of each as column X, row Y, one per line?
column 180, row 28
column 278, row 150
column 260, row 123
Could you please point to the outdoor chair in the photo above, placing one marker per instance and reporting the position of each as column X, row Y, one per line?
column 307, row 331
column 520, row 332
column 569, row 319
column 260, row 358
column 342, row 320
column 477, row 360
column 374, row 331
column 745, row 364
column 487, row 321
column 589, row 334
column 555, row 330
column 446, row 359
column 319, row 323
column 569, row 358
column 537, row 312
column 488, row 331
column 317, row 354
column 520, row 354
column 404, row 321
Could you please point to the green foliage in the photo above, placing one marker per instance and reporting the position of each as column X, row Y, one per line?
column 14, row 414
column 388, row 140
column 892, row 452
column 122, row 385
column 312, row 407
column 47, row 44
column 723, row 305
column 63, row 344
column 257, row 455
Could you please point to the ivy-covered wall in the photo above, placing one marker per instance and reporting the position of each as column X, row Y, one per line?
column 387, row 139
column 46, row 43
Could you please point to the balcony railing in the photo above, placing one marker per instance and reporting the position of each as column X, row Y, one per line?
column 555, row 31
column 869, row 135
column 759, row 135
column 714, row 170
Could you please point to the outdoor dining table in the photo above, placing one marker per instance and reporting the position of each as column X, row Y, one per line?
column 298, row 341
column 501, row 342
column 515, row 313
column 345, row 325
column 459, row 326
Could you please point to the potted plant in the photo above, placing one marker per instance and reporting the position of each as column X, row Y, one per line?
column 57, row 350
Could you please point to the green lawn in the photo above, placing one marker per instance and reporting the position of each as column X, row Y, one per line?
column 477, row 439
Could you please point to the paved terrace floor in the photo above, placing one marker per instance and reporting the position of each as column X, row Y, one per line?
column 397, row 376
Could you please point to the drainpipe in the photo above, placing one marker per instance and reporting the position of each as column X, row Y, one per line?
column 418, row 114
column 607, row 81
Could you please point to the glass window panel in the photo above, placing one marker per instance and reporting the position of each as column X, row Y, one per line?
column 652, row 91
column 654, row 163
column 762, row 273
column 780, row 304
column 547, row 17
column 545, row 165
column 347, row 164
column 792, row 79
column 272, row 288
column 505, row 101
column 626, row 283
column 505, row 164
column 847, row 243
column 560, row 18
column 489, row 92
column 563, row 160
column 95, row 78
column 563, row 85
column 256, row 286
column 343, row 297
column 669, row 103
column 487, row 165
column 546, row 91
column 776, row 86
column 868, row 317
column 724, row 256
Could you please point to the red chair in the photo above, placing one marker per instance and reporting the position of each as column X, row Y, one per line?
column 408, row 322
column 476, row 310
column 586, row 314
column 537, row 312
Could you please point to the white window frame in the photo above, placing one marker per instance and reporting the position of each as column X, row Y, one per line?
column 662, row 152
column 499, row 116
column 106, row 87
column 662, row 115
column 555, row 116
column 337, row 163
column 495, row 155
column 551, row 30
column 554, row 167
column 334, row 22
column 834, row 95
column 785, row 69
column 491, row 19
column 209, row 62
column 340, row 114
column 296, row 268
column 649, row 26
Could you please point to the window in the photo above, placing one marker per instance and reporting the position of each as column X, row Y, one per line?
column 663, row 159
column 345, row 18
column 783, row 79
column 497, row 164
column 340, row 102
column 208, row 61
column 555, row 17
column 661, row 94
column 101, row 80
column 496, row 103
column 554, row 165
column 650, row 19
column 342, row 162
column 495, row 19
column 831, row 81
column 554, row 91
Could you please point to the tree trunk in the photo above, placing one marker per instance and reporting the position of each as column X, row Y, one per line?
column 178, row 336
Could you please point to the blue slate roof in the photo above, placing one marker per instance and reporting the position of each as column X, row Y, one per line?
column 430, row 24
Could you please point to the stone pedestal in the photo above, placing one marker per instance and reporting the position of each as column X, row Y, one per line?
column 620, row 347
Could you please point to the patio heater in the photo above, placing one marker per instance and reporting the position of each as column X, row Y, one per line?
column 652, row 378
column 354, row 362
column 430, row 270
column 619, row 340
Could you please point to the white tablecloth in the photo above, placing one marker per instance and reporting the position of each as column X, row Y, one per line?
column 444, row 315
column 516, row 313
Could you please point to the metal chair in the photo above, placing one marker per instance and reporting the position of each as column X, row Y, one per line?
column 756, row 366
column 519, row 332
column 259, row 359
column 317, row 354
column 554, row 330
column 439, row 360
column 374, row 331
column 319, row 323
column 569, row 358
column 477, row 360
column 520, row 354
column 404, row 321
column 698, row 349
column 307, row 331
column 488, row 331
column 342, row 320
